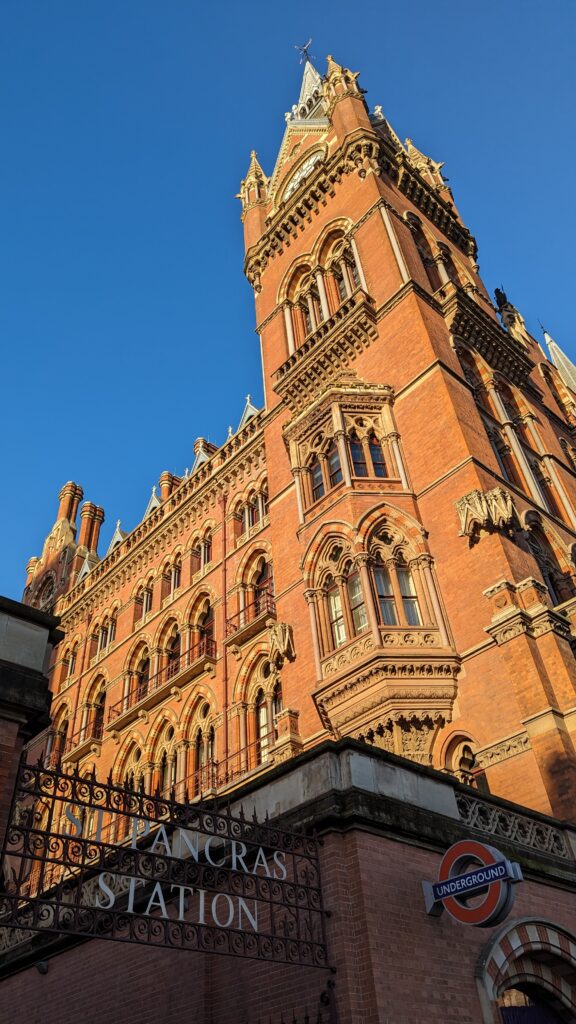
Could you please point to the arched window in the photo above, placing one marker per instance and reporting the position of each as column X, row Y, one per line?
column 98, row 716
column 409, row 597
column 167, row 773
column 206, row 630
column 210, row 745
column 358, row 456
column 142, row 677
column 334, row 467
column 316, row 479
column 377, row 456
column 335, row 613
column 264, row 495
column 277, row 704
column 264, row 589
column 262, row 730
column 206, row 549
column 253, row 511
column 340, row 284
column 173, row 650
column 385, row 595
column 147, row 599
column 175, row 574
column 560, row 583
column 356, row 601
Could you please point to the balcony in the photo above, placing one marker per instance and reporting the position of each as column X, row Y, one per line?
column 87, row 740
column 336, row 341
column 214, row 776
column 152, row 691
column 251, row 620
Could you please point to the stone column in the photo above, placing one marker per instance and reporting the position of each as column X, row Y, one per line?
column 362, row 562
column 289, row 329
column 400, row 261
column 322, row 293
column 395, row 445
column 431, row 587
column 310, row 598
column 354, row 248
column 515, row 445
column 297, row 474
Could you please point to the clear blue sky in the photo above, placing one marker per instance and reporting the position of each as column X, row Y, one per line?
column 127, row 326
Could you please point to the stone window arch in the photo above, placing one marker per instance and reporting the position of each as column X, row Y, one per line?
column 397, row 594
column 529, row 962
column 341, row 599
column 556, row 573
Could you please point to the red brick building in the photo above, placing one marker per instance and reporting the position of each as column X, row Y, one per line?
column 383, row 553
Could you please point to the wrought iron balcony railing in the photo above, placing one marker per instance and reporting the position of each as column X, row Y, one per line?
column 176, row 672
column 252, row 618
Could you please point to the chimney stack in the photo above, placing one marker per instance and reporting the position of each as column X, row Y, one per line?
column 86, row 516
column 69, row 497
column 97, row 520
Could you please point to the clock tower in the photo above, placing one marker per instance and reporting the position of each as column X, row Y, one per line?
column 420, row 498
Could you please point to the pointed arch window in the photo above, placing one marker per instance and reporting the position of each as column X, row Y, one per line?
column 340, row 285
column 358, row 454
column 335, row 613
column 142, row 678
column 262, row 731
column 354, row 275
column 263, row 588
column 316, row 479
column 173, row 651
column 334, row 467
column 356, row 601
column 409, row 597
column 385, row 595
column 175, row 575
column 98, row 717
column 377, row 456
column 206, row 549
column 206, row 630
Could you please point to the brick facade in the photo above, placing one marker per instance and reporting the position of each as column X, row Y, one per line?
column 383, row 552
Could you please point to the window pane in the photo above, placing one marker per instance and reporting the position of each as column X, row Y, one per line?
column 358, row 458
column 334, row 468
column 354, row 274
column 385, row 596
column 356, row 598
column 336, row 617
column 377, row 456
column 409, row 599
column 317, row 480
column 341, row 286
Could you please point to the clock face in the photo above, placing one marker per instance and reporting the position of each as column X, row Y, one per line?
column 301, row 173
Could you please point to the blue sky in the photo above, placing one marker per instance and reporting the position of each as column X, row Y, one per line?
column 127, row 326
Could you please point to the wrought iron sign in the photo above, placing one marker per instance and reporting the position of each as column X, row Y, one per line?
column 95, row 860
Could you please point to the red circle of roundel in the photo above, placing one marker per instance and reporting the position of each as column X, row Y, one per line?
column 496, row 897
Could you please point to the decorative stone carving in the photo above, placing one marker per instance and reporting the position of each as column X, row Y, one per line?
column 516, row 828
column 281, row 641
column 503, row 750
column 485, row 510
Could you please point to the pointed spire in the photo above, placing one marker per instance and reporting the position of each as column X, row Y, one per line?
column 565, row 367
column 254, row 187
column 153, row 503
column 428, row 167
column 117, row 538
column 340, row 82
column 250, row 410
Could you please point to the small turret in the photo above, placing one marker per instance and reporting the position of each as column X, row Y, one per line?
column 344, row 99
column 254, row 196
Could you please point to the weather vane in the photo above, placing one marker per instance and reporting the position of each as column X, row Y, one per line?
column 304, row 55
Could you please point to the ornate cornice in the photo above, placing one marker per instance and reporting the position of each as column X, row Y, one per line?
column 189, row 504
column 469, row 323
column 327, row 351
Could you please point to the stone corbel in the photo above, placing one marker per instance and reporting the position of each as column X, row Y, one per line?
column 485, row 510
column 281, row 643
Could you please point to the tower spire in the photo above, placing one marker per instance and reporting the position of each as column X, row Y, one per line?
column 565, row 367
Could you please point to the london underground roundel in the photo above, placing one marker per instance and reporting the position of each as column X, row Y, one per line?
column 475, row 884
